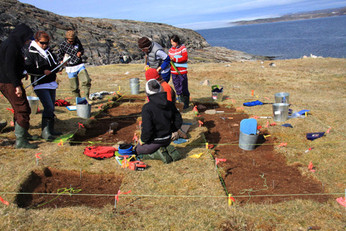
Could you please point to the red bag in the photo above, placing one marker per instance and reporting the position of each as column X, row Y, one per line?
column 61, row 103
column 100, row 152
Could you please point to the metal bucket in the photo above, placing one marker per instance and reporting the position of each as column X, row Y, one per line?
column 280, row 111
column 217, row 96
column 83, row 110
column 247, row 142
column 134, row 84
column 33, row 102
column 282, row 97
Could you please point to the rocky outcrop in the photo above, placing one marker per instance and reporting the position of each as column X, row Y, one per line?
column 106, row 40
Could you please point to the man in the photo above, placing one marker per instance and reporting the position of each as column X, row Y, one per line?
column 11, row 74
column 156, row 57
column 75, row 67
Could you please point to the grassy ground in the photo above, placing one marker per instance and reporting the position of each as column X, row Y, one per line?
column 187, row 195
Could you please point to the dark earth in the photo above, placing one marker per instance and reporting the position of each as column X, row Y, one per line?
column 258, row 176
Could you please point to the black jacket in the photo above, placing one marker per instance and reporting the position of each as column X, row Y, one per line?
column 160, row 118
column 11, row 57
column 35, row 64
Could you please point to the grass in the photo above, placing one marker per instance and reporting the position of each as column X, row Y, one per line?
column 187, row 195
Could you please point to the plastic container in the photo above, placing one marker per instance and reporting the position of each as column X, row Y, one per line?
column 282, row 97
column 217, row 93
column 247, row 142
column 134, row 85
column 280, row 112
column 33, row 102
column 84, row 110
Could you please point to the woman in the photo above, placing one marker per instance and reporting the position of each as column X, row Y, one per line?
column 11, row 74
column 179, row 57
column 160, row 118
column 40, row 61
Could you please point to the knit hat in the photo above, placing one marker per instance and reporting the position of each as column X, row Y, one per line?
column 144, row 42
column 151, row 73
column 70, row 34
column 152, row 87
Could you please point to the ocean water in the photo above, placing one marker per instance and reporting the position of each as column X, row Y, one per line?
column 324, row 37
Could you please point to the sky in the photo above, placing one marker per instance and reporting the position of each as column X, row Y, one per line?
column 191, row 14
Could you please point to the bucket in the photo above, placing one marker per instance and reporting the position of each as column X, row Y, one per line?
column 282, row 97
column 247, row 142
column 134, row 84
column 83, row 110
column 280, row 111
column 33, row 102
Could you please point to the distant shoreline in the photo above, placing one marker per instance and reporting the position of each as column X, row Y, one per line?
column 296, row 17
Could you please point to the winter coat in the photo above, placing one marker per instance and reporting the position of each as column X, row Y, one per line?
column 160, row 118
column 11, row 56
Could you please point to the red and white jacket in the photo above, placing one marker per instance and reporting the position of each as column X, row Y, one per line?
column 179, row 58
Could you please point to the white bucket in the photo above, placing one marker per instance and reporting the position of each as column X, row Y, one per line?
column 33, row 102
column 247, row 142
column 83, row 110
column 282, row 97
column 280, row 112
column 134, row 84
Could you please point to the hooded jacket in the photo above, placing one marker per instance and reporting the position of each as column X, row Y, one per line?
column 11, row 56
column 160, row 118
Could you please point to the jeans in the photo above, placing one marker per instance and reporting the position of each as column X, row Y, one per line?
column 47, row 98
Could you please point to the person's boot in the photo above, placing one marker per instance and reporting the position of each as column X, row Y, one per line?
column 21, row 138
column 186, row 101
column 51, row 123
column 46, row 133
column 160, row 154
column 173, row 153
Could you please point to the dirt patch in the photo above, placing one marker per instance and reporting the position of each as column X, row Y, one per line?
column 260, row 175
column 67, row 188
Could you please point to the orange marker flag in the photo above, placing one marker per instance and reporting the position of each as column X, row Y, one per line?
column 283, row 145
column 11, row 110
column 311, row 167
column 80, row 125
column 252, row 92
column 230, row 199
column 217, row 161
column 200, row 123
column 4, row 202
column 37, row 155
column 61, row 143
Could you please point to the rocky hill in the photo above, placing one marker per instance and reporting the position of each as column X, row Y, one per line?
column 106, row 40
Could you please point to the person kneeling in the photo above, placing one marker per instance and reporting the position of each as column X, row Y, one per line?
column 160, row 118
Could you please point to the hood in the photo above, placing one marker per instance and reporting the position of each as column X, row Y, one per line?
column 21, row 34
column 159, row 99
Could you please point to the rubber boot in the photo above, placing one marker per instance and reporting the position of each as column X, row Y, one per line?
column 160, row 154
column 186, row 100
column 173, row 153
column 51, row 123
column 21, row 138
column 46, row 134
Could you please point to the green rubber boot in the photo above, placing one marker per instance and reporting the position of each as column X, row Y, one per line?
column 21, row 138
column 173, row 153
column 160, row 154
column 46, row 133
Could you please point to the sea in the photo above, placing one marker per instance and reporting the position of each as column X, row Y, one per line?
column 324, row 37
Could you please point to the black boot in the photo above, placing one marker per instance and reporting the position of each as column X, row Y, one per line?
column 51, row 128
column 46, row 133
column 21, row 138
column 186, row 100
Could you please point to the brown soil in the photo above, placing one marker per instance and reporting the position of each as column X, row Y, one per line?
column 256, row 176
column 94, row 190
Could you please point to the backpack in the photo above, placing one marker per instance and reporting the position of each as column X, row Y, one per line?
column 100, row 152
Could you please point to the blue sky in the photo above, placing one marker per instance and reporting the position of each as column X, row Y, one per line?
column 192, row 14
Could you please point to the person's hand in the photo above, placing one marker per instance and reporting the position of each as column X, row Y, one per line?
column 19, row 91
column 140, row 142
column 146, row 67
column 79, row 54
column 26, row 76
column 175, row 136
column 47, row 72
column 159, row 69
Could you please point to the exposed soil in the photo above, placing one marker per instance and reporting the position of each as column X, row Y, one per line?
column 257, row 176
column 64, row 185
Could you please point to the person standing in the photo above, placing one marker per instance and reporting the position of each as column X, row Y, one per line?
column 156, row 57
column 179, row 57
column 75, row 67
column 11, row 75
column 40, row 61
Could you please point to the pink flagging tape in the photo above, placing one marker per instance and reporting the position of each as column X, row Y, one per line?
column 80, row 125
column 217, row 161
column 37, row 155
column 11, row 110
column 341, row 201
column 311, row 167
column 283, row 145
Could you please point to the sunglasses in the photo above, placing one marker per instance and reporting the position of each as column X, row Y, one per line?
column 44, row 43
